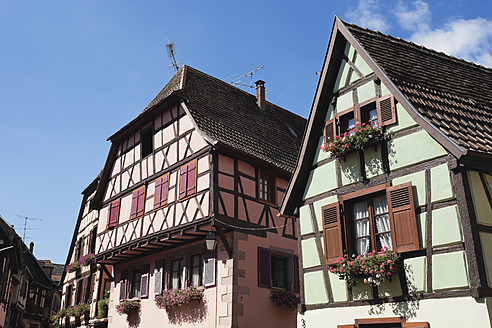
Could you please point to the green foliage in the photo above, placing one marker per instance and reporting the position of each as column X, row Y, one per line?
column 103, row 306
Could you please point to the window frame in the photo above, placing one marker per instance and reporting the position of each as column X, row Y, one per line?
column 161, row 203
column 150, row 130
column 200, row 269
column 265, row 272
column 262, row 174
column 136, row 201
column 188, row 194
column 181, row 273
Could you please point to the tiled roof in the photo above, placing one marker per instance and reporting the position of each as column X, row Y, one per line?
column 232, row 116
column 39, row 275
column 454, row 95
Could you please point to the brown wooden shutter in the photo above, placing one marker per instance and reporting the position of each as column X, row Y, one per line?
column 83, row 295
column 164, row 190
column 330, row 130
column 415, row 325
column 190, row 190
column 402, row 218
column 133, row 213
column 140, row 201
column 144, row 281
column 123, row 284
column 346, row 326
column 208, row 271
column 296, row 274
column 92, row 246
column 90, row 289
column 158, row 274
column 332, row 231
column 183, row 181
column 114, row 209
column 386, row 109
column 264, row 267
column 157, row 193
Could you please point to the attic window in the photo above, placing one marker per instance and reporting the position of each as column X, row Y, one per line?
column 146, row 137
column 292, row 132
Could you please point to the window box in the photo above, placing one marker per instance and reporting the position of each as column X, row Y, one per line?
column 87, row 259
column 286, row 299
column 73, row 267
column 177, row 297
column 128, row 306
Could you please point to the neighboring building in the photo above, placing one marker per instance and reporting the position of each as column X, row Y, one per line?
column 85, row 284
column 423, row 191
column 53, row 270
column 13, row 280
column 203, row 159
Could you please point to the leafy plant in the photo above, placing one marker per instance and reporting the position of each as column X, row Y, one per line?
column 373, row 267
column 87, row 259
column 284, row 298
column 103, row 306
column 55, row 319
column 177, row 297
column 72, row 267
column 355, row 139
column 126, row 306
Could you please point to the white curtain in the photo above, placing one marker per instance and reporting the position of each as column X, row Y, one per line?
column 382, row 221
column 361, row 228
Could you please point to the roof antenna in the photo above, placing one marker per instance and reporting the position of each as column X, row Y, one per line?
column 170, row 53
column 237, row 80
column 26, row 218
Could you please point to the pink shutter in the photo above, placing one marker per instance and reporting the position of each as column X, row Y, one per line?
column 157, row 194
column 140, row 201
column 182, row 181
column 133, row 213
column 165, row 184
column 190, row 190
column 113, row 213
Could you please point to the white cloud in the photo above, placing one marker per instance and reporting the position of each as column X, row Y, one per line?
column 470, row 39
column 366, row 15
column 414, row 19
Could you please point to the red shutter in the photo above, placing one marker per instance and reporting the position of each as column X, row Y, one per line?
column 386, row 109
column 140, row 201
column 114, row 208
column 157, row 193
column 123, row 284
column 402, row 218
column 183, row 181
column 165, row 185
column 330, row 130
column 296, row 274
column 264, row 267
column 144, row 281
column 190, row 190
column 133, row 213
column 332, row 232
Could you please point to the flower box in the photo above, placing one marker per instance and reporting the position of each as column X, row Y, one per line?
column 373, row 268
column 128, row 306
column 286, row 299
column 73, row 267
column 177, row 297
column 87, row 259
column 360, row 137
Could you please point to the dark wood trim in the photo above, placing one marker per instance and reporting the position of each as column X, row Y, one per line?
column 484, row 228
column 364, row 192
column 224, row 240
column 302, row 295
column 369, row 321
column 428, row 230
column 314, row 268
column 356, row 84
column 439, row 205
column 321, row 256
column 448, row 249
column 485, row 188
column 106, row 271
column 241, row 225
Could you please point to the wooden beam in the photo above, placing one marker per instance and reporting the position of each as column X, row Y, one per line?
column 224, row 241
column 103, row 266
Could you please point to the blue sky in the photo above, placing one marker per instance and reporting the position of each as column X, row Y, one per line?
column 73, row 72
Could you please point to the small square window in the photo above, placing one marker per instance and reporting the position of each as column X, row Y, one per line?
column 266, row 187
column 347, row 122
column 369, row 113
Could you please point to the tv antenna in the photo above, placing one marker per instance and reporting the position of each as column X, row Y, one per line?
column 170, row 46
column 237, row 80
column 27, row 218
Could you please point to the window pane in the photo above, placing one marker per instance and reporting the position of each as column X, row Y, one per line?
column 361, row 227
column 279, row 272
column 373, row 115
column 196, row 270
column 175, row 274
column 136, row 283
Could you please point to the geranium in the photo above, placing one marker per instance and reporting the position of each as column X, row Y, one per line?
column 284, row 298
column 55, row 319
column 177, row 297
column 87, row 259
column 126, row 306
column 72, row 267
column 373, row 267
column 355, row 139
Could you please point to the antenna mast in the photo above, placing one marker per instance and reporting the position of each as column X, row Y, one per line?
column 26, row 218
column 170, row 53
column 237, row 80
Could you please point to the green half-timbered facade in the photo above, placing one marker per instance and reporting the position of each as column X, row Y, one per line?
column 397, row 156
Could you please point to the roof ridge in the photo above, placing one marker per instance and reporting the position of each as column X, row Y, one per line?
column 419, row 47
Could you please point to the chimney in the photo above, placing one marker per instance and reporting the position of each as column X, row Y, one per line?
column 31, row 247
column 260, row 94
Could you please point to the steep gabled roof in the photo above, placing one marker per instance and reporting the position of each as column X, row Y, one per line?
column 447, row 97
column 39, row 275
column 229, row 115
column 454, row 95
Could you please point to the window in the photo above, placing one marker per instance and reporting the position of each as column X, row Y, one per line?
column 276, row 270
column 266, row 187
column 68, row 296
column 137, row 275
column 147, row 141
column 161, row 190
column 138, row 201
column 43, row 297
column 113, row 214
column 187, row 181
column 378, row 109
column 380, row 216
column 138, row 286
column 196, row 270
column 177, row 274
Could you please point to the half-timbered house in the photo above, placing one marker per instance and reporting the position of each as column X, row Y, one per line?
column 83, row 281
column 203, row 161
column 418, row 186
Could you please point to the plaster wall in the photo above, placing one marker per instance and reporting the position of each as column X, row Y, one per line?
column 439, row 313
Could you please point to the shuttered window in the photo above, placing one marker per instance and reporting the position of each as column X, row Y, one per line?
column 158, row 276
column 278, row 270
column 138, row 201
column 209, row 271
column 187, row 180
column 113, row 214
column 144, row 281
column 161, row 191
column 123, row 284
column 382, row 219
column 196, row 270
